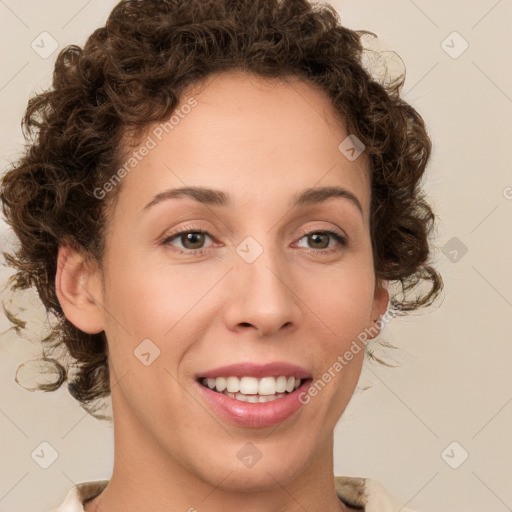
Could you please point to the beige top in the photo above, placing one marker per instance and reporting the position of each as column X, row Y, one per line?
column 365, row 493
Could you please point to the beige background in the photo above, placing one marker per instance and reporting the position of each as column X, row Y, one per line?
column 453, row 383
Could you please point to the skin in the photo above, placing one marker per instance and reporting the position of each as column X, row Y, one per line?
column 261, row 142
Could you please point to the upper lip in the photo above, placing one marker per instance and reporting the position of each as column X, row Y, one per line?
column 273, row 369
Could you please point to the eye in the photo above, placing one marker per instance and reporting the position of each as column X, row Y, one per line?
column 321, row 240
column 192, row 240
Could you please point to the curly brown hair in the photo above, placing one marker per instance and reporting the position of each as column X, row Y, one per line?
column 133, row 72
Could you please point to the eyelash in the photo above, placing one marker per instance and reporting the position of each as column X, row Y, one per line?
column 342, row 240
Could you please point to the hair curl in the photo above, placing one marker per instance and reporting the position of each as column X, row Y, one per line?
column 133, row 72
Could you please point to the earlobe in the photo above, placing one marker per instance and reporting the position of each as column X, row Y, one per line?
column 380, row 305
column 78, row 290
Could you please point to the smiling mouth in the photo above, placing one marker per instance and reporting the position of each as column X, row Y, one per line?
column 252, row 389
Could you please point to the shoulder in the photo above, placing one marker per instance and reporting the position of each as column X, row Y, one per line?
column 73, row 502
column 368, row 494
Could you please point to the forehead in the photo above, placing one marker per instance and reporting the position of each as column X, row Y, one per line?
column 252, row 136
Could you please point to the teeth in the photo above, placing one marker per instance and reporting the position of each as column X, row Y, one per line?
column 249, row 385
column 254, row 398
column 281, row 384
column 233, row 384
column 241, row 397
column 251, row 389
column 220, row 384
column 267, row 386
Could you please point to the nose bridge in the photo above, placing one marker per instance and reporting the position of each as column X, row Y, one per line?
column 263, row 297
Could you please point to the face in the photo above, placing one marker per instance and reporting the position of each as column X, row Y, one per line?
column 249, row 275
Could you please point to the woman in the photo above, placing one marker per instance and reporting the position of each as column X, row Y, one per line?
column 184, row 167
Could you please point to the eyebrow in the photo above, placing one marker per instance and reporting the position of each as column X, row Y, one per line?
column 213, row 197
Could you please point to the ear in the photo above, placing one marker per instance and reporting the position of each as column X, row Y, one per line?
column 380, row 305
column 78, row 287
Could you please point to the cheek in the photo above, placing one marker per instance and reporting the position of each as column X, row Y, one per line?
column 343, row 314
column 342, row 302
column 149, row 301
column 148, row 297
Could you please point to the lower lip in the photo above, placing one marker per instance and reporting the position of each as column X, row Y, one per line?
column 255, row 415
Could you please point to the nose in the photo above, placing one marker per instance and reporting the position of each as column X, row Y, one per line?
column 261, row 297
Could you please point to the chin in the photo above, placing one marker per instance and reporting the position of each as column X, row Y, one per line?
column 276, row 468
column 252, row 480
